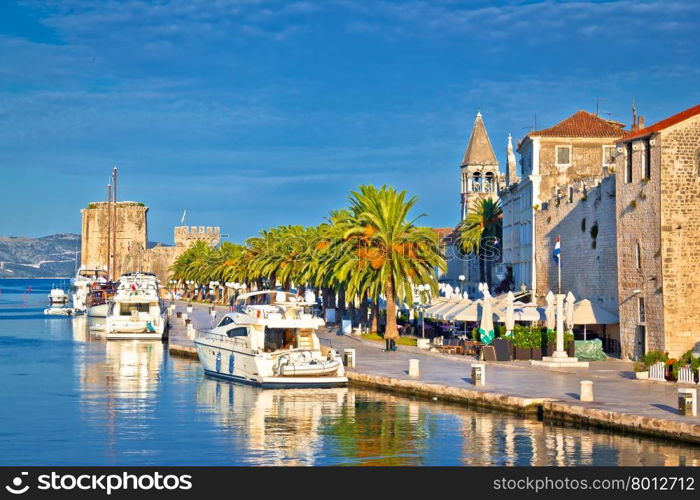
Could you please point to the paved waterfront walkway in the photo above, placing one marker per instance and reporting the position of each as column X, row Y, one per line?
column 615, row 388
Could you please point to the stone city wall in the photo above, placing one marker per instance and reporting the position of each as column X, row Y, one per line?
column 584, row 218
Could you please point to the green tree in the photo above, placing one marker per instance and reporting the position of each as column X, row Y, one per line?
column 384, row 251
column 479, row 232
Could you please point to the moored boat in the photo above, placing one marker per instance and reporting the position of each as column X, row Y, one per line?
column 270, row 341
column 85, row 279
column 136, row 310
column 58, row 296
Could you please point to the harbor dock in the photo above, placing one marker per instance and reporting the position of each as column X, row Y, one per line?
column 621, row 402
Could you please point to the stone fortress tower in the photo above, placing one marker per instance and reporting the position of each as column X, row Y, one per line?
column 481, row 178
column 116, row 238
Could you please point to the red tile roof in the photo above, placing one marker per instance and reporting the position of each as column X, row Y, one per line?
column 443, row 232
column 677, row 118
column 582, row 124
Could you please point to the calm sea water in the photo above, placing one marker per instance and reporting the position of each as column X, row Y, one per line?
column 68, row 397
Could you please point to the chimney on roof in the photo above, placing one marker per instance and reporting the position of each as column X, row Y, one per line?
column 640, row 122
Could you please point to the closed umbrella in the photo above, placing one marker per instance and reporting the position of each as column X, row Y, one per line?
column 569, row 312
column 549, row 312
column 486, row 326
column 510, row 315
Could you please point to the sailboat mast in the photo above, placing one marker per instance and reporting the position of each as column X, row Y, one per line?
column 114, row 234
column 109, row 230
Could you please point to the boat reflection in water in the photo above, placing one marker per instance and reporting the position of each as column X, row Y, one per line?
column 280, row 426
column 362, row 427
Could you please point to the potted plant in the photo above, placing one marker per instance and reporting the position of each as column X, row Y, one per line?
column 641, row 371
column 536, row 341
column 521, row 343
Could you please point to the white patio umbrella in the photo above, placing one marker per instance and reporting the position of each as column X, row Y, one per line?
column 452, row 313
column 551, row 320
column 469, row 313
column 431, row 311
column 587, row 313
column 522, row 312
column 510, row 315
column 486, row 325
column 447, row 312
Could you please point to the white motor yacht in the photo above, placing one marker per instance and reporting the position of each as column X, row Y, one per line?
column 85, row 279
column 58, row 296
column 270, row 341
column 136, row 311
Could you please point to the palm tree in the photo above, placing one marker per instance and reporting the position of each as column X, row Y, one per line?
column 384, row 251
column 478, row 233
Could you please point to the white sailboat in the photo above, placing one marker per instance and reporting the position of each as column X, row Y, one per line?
column 136, row 310
column 270, row 341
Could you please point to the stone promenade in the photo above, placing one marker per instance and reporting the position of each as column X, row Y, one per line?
column 621, row 401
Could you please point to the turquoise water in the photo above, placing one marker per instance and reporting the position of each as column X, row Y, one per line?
column 68, row 397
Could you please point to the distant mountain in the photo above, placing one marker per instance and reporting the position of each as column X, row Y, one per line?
column 48, row 256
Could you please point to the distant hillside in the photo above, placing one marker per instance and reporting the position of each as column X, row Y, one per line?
column 53, row 255
column 48, row 256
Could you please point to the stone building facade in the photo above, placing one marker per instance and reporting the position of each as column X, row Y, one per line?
column 658, row 247
column 574, row 154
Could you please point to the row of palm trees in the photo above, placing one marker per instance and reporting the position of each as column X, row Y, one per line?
column 371, row 249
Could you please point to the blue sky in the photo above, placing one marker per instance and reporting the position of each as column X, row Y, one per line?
column 254, row 113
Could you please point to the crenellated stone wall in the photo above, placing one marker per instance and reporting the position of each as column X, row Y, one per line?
column 186, row 235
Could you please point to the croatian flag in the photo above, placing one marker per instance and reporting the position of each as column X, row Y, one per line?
column 557, row 251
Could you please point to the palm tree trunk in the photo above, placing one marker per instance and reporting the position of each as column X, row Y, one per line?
column 391, row 331
column 482, row 270
column 363, row 310
column 374, row 323
column 341, row 305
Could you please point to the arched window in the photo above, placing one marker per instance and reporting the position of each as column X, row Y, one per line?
column 476, row 182
column 489, row 182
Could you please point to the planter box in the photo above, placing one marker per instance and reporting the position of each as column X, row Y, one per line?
column 571, row 348
column 536, row 353
column 522, row 353
column 642, row 375
column 549, row 349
